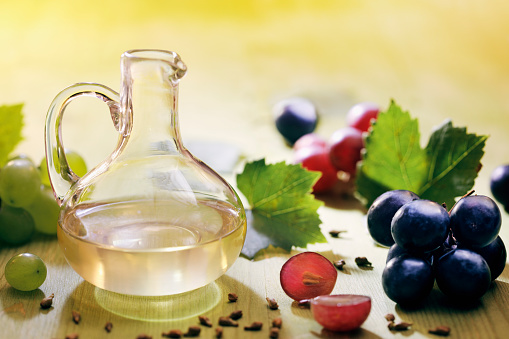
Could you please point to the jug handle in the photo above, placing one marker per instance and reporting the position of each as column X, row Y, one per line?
column 61, row 175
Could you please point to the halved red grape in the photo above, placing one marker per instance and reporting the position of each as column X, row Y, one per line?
column 345, row 149
column 308, row 275
column 361, row 115
column 341, row 312
column 315, row 158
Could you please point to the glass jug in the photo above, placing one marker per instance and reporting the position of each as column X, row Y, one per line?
column 151, row 219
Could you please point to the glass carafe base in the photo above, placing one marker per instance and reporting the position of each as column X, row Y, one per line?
column 164, row 308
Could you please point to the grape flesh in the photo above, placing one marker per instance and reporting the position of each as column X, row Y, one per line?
column 420, row 226
column 361, row 115
column 475, row 221
column 307, row 275
column 345, row 147
column 16, row 225
column 44, row 211
column 341, row 312
column 317, row 159
column 495, row 255
column 25, row 272
column 295, row 117
column 19, row 182
column 462, row 274
column 499, row 184
column 407, row 280
column 381, row 212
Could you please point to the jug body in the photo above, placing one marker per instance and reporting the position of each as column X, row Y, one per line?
column 151, row 219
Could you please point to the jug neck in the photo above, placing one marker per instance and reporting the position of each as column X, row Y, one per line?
column 149, row 100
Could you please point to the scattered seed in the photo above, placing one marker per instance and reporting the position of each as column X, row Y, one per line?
column 219, row 332
column 235, row 315
column 440, row 330
column 193, row 331
column 401, row 326
column 277, row 322
column 256, row 326
column 47, row 302
column 309, row 278
column 390, row 317
column 272, row 304
column 339, row 264
column 336, row 233
column 205, row 321
column 76, row 317
column 226, row 321
column 232, row 297
column 72, row 336
column 172, row 334
column 108, row 326
column 274, row 333
column 363, row 262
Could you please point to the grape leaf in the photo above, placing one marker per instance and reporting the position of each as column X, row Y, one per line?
column 395, row 156
column 11, row 124
column 394, row 159
column 283, row 210
column 454, row 158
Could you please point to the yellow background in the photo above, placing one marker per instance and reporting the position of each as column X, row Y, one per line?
column 437, row 59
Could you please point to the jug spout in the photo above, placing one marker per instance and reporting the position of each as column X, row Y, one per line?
column 173, row 66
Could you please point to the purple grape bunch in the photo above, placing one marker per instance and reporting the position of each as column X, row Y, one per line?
column 459, row 249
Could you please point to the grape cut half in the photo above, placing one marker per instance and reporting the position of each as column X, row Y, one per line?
column 341, row 312
column 308, row 275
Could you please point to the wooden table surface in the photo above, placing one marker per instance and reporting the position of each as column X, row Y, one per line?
column 436, row 59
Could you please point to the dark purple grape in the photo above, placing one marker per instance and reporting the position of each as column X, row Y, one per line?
column 420, row 226
column 475, row 221
column 295, row 117
column 396, row 251
column 462, row 274
column 382, row 211
column 495, row 255
column 407, row 280
column 499, row 184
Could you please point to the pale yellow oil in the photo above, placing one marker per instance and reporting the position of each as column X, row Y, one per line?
column 152, row 248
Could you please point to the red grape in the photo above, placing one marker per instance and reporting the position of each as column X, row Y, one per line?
column 308, row 275
column 345, row 149
column 361, row 115
column 341, row 312
column 315, row 158
column 309, row 140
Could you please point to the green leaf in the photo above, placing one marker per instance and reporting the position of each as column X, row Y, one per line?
column 454, row 158
column 283, row 210
column 393, row 159
column 11, row 124
column 393, row 155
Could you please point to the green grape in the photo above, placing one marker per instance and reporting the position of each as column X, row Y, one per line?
column 16, row 225
column 44, row 210
column 19, row 182
column 75, row 161
column 25, row 272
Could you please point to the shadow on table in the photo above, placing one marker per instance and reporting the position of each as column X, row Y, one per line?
column 21, row 305
column 358, row 333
